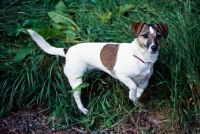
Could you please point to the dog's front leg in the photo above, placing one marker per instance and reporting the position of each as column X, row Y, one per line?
column 141, row 87
column 131, row 85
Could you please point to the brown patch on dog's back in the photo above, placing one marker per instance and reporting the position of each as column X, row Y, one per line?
column 65, row 50
column 108, row 55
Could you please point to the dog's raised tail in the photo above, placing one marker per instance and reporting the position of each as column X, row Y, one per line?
column 45, row 46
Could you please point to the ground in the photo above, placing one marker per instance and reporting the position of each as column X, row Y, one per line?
column 32, row 121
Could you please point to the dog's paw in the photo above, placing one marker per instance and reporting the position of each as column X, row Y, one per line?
column 139, row 92
column 136, row 103
column 84, row 110
column 132, row 96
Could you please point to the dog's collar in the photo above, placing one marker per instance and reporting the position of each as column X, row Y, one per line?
column 140, row 59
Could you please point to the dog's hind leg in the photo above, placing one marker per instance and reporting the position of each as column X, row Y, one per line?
column 77, row 94
column 77, row 97
column 75, row 81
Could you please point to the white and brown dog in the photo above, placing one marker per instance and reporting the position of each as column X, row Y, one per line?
column 131, row 63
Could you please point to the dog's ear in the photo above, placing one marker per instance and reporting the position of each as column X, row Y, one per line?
column 136, row 28
column 164, row 29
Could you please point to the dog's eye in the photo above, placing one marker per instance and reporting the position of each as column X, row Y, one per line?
column 145, row 36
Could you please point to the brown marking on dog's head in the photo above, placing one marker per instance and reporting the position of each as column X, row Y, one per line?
column 136, row 28
column 108, row 55
column 164, row 29
column 65, row 50
column 150, row 35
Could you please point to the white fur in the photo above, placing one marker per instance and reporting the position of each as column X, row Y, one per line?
column 151, row 30
column 128, row 69
column 45, row 46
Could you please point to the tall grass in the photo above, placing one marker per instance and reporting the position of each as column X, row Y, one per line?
column 29, row 75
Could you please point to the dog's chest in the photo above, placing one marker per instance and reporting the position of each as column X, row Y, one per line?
column 142, row 70
column 141, row 73
column 135, row 69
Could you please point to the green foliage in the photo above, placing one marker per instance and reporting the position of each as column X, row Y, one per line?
column 24, row 51
column 61, row 20
column 81, row 86
column 29, row 75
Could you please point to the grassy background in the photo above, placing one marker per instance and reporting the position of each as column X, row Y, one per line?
column 28, row 75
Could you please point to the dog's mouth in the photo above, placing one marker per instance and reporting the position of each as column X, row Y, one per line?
column 154, row 52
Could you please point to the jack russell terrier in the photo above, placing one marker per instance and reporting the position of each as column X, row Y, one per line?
column 131, row 63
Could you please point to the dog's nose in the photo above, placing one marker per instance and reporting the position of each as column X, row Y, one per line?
column 154, row 48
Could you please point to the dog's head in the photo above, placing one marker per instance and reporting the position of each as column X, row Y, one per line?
column 149, row 36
